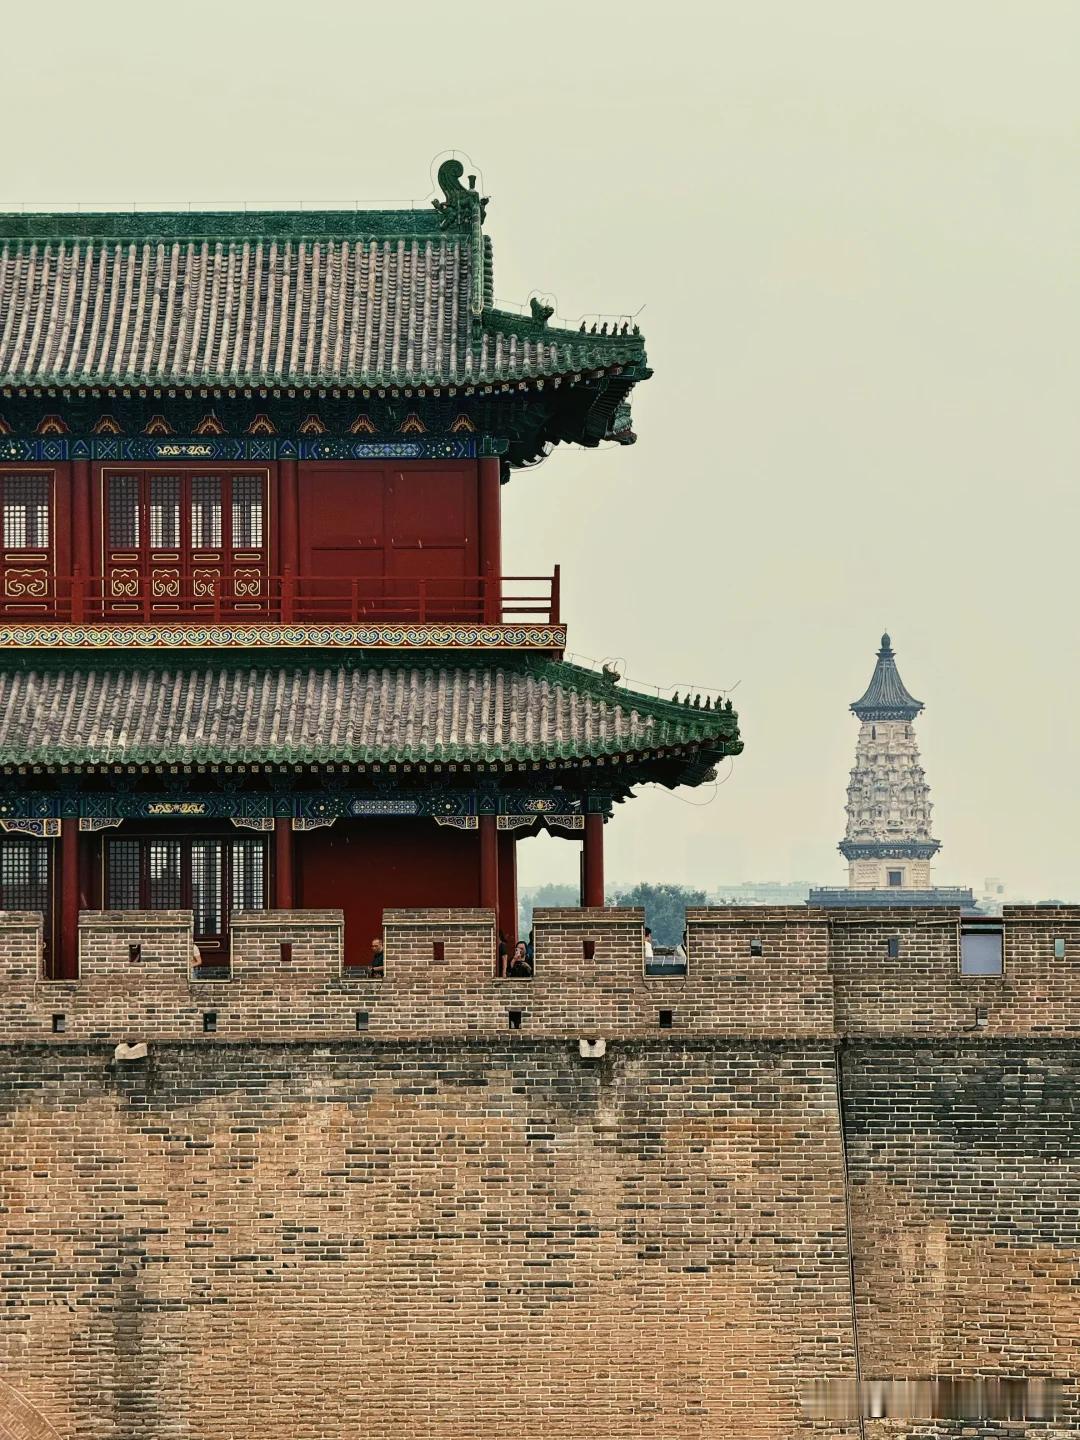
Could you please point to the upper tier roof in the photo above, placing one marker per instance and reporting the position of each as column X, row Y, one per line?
column 116, row 712
column 276, row 300
column 886, row 697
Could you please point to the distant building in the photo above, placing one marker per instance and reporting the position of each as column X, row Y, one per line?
column 763, row 892
column 993, row 895
column 888, row 844
column 932, row 896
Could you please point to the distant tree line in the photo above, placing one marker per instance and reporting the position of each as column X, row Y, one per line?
column 664, row 906
column 543, row 897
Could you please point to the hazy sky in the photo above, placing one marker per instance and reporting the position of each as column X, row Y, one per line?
column 854, row 229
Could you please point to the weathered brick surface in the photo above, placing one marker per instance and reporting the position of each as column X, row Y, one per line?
column 786, row 990
column 449, row 990
column 923, row 991
column 449, row 1240
column 818, row 974
column 964, row 1161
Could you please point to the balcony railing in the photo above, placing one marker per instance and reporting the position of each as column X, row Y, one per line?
column 150, row 598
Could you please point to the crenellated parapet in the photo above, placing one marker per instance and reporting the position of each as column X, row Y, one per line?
column 774, row 973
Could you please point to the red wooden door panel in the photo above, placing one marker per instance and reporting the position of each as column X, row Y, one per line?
column 381, row 536
column 430, row 522
column 184, row 544
column 365, row 866
column 27, row 515
column 342, row 527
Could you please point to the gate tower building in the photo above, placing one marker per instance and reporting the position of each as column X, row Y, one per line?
column 257, row 646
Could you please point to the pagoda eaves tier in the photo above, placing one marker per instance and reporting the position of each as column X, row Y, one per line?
column 257, row 648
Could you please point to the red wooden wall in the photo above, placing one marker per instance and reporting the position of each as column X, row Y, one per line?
column 366, row 866
column 391, row 525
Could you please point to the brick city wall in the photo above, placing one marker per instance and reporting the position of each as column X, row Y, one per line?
column 369, row 1206
column 445, row 1240
column 964, row 1165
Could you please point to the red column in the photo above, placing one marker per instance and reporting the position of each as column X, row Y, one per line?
column 489, row 864
column 283, row 864
column 67, row 962
column 288, row 543
column 81, row 546
column 62, row 532
column 491, row 538
column 592, row 870
column 508, row 907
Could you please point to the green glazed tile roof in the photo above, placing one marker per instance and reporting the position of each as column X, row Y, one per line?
column 274, row 300
column 316, row 710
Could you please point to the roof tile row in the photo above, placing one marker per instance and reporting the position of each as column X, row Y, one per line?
column 225, row 712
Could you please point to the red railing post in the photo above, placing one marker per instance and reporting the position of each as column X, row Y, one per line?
column 354, row 604
column 78, row 596
column 287, row 595
column 491, row 593
column 556, row 596
column 423, row 601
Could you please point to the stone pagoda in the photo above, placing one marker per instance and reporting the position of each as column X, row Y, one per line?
column 888, row 844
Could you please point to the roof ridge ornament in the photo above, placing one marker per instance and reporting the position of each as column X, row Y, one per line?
column 464, row 210
column 457, row 210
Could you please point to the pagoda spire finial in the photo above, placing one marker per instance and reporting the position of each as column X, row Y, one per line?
column 886, row 697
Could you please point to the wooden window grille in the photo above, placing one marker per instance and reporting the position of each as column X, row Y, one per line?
column 212, row 877
column 124, row 528
column 206, row 886
column 247, row 512
column 248, row 878
column 26, row 512
column 124, row 890
column 165, row 512
column 164, row 889
column 24, row 875
column 206, row 512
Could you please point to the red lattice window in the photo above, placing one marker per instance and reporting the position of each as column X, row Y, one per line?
column 26, row 511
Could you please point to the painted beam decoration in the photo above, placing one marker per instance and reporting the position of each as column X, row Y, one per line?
column 33, row 451
column 308, row 812
column 269, row 636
